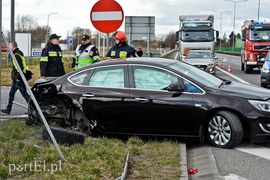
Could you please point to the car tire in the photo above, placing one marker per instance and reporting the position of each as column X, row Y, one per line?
column 224, row 130
column 64, row 136
column 264, row 85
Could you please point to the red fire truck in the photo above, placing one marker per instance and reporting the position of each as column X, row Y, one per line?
column 255, row 44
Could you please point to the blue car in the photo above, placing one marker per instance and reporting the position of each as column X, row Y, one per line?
column 265, row 71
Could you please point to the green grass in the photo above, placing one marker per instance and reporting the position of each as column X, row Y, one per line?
column 22, row 149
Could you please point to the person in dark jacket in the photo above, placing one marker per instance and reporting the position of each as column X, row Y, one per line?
column 51, row 61
column 17, row 82
column 121, row 49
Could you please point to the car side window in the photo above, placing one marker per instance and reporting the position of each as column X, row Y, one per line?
column 189, row 87
column 78, row 79
column 107, row 77
column 152, row 78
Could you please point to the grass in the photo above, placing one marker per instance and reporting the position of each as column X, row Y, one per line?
column 24, row 155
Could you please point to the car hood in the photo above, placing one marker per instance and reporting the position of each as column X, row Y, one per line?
column 199, row 61
column 246, row 91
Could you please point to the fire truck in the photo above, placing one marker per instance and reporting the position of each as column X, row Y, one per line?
column 255, row 44
column 195, row 32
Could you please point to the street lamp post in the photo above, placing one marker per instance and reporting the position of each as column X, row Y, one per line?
column 47, row 28
column 259, row 6
column 234, row 1
column 221, row 12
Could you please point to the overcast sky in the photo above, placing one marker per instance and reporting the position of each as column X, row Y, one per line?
column 76, row 13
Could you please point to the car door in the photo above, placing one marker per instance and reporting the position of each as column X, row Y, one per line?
column 103, row 94
column 155, row 110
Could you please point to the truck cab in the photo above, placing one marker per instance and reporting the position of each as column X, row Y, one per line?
column 196, row 32
column 255, row 44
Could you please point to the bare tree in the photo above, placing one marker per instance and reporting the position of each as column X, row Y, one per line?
column 170, row 40
column 26, row 23
column 77, row 34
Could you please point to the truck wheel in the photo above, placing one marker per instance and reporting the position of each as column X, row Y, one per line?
column 224, row 130
column 247, row 68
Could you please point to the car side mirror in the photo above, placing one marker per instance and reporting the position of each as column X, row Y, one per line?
column 175, row 87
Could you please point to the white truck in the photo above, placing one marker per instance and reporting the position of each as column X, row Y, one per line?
column 196, row 32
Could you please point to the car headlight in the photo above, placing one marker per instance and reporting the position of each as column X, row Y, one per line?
column 265, row 70
column 260, row 105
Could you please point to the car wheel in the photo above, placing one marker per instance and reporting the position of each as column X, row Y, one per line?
column 224, row 130
column 264, row 85
column 33, row 115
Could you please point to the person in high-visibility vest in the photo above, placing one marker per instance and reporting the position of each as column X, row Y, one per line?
column 85, row 54
column 51, row 61
column 17, row 82
column 121, row 49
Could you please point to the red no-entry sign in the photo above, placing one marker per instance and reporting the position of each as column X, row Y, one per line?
column 107, row 16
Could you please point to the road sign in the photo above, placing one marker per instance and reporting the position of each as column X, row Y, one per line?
column 36, row 52
column 106, row 16
column 69, row 40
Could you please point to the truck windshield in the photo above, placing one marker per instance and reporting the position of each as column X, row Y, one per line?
column 259, row 35
column 198, row 36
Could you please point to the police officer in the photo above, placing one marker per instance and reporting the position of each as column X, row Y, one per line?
column 51, row 61
column 85, row 54
column 121, row 49
column 17, row 82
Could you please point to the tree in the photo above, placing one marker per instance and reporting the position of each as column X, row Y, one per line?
column 224, row 38
column 77, row 34
column 170, row 40
column 231, row 37
column 26, row 23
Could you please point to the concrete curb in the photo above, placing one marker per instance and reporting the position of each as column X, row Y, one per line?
column 183, row 162
column 203, row 159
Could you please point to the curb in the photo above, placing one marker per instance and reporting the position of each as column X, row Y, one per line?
column 203, row 159
column 183, row 162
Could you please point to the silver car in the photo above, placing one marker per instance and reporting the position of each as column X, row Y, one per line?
column 202, row 59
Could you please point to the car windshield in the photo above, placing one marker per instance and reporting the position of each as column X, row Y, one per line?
column 199, row 55
column 197, row 74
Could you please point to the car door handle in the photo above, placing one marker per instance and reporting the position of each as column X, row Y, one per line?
column 141, row 99
column 87, row 95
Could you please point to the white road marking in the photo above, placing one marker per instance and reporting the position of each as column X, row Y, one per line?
column 256, row 150
column 234, row 177
column 233, row 76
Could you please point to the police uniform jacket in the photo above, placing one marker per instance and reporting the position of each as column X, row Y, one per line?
column 51, row 62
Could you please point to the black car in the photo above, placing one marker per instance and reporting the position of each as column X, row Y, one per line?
column 155, row 96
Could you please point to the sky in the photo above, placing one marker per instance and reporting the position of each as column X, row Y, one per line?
column 76, row 13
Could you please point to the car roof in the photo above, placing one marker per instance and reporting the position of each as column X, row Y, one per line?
column 140, row 60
